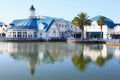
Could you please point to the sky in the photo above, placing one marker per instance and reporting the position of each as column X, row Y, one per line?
column 67, row 9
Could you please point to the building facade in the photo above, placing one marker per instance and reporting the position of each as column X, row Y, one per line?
column 39, row 27
column 94, row 30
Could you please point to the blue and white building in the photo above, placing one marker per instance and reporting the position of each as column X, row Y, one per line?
column 50, row 28
column 94, row 30
column 39, row 27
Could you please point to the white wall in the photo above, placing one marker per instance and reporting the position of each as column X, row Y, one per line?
column 29, row 33
column 117, row 29
column 54, row 31
column 95, row 28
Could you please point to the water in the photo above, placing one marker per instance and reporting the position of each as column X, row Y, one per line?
column 58, row 61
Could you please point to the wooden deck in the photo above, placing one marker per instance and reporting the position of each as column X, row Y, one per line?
column 113, row 44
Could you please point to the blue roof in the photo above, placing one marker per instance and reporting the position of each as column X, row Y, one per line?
column 47, row 22
column 33, row 23
column 69, row 31
column 32, row 8
column 18, row 21
column 1, row 23
column 58, row 19
column 25, row 24
column 109, row 22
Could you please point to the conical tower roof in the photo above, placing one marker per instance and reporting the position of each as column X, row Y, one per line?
column 32, row 8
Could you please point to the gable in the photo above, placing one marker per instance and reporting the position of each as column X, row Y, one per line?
column 53, row 27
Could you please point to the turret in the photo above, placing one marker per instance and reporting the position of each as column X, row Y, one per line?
column 32, row 12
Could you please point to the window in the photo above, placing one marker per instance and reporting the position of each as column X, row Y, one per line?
column 65, row 26
column 62, row 25
column 24, row 36
column 40, row 33
column 14, row 36
column 35, row 33
column 24, row 32
column 59, row 25
column 54, row 32
column 19, row 36
column 19, row 33
column 14, row 32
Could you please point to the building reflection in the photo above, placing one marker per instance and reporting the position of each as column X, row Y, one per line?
column 48, row 53
column 38, row 53
column 95, row 50
column 94, row 53
column 3, row 48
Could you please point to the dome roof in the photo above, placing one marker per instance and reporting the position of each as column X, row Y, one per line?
column 109, row 22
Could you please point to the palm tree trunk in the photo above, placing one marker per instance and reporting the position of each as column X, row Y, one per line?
column 101, row 33
column 82, row 33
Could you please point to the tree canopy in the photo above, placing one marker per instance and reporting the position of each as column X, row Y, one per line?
column 81, row 20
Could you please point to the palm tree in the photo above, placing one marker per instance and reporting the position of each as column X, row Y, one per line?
column 80, row 21
column 101, row 22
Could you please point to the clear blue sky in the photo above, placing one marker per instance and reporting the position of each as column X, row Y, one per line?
column 67, row 9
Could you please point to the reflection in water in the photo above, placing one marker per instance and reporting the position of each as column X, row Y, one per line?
column 3, row 48
column 38, row 53
column 95, row 50
column 25, row 51
column 97, row 53
column 82, row 54
column 80, row 62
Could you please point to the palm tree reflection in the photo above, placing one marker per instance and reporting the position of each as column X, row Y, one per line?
column 96, row 53
column 80, row 62
column 100, row 60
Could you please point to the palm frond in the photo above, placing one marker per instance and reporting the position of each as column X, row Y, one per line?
column 81, row 20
